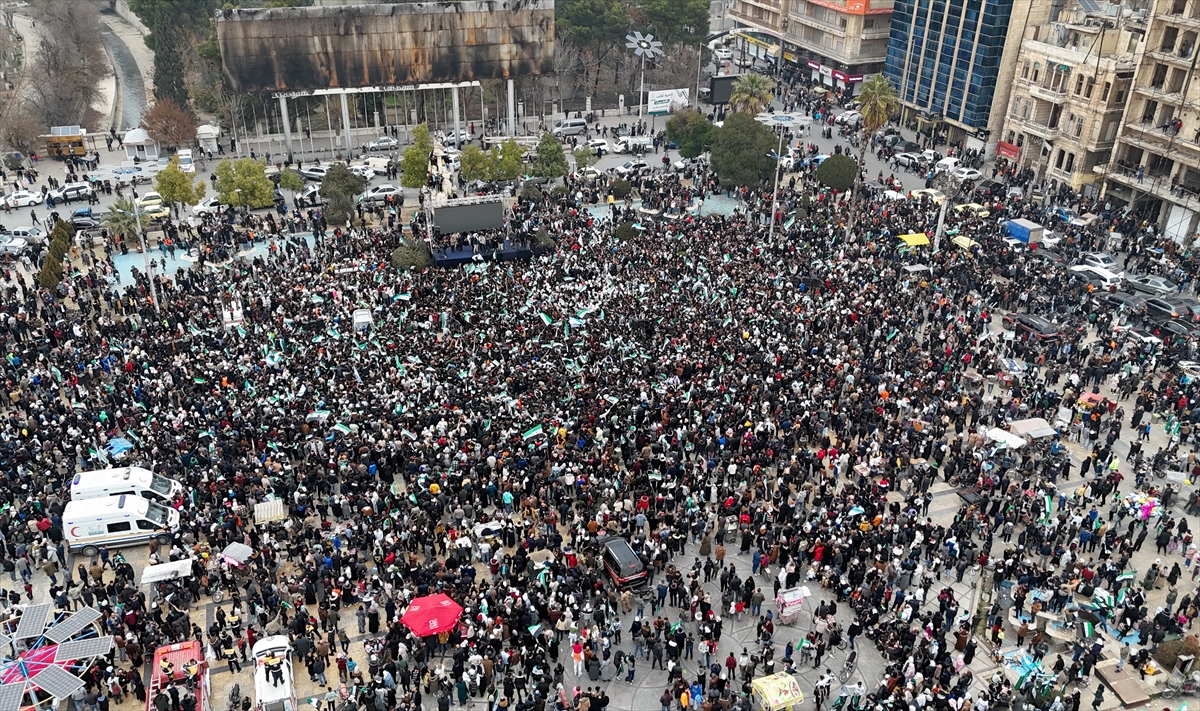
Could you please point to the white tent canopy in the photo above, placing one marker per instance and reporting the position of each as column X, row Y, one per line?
column 270, row 511
column 1034, row 428
column 167, row 571
column 1005, row 438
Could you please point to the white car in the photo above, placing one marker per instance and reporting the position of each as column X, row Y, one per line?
column 463, row 134
column 362, row 171
column 909, row 159
column 380, row 193
column 75, row 191
column 12, row 245
column 632, row 167
column 383, row 143
column 314, row 172
column 274, row 681
column 310, row 197
column 210, row 206
column 1103, row 277
column 599, row 146
column 1099, row 259
column 23, row 198
column 724, row 54
column 150, row 199
column 968, row 174
column 850, row 118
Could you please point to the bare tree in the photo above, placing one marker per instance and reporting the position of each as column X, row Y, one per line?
column 67, row 64
column 170, row 124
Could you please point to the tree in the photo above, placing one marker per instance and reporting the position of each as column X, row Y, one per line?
column 585, row 157
column 692, row 130
column 551, row 163
column 291, row 180
column 414, row 164
column 741, row 151
column 169, row 123
column 879, row 102
column 168, row 62
column 244, row 183
column 684, row 21
column 66, row 64
column 340, row 187
column 837, row 172
column 476, row 165
column 177, row 187
column 121, row 218
column 752, row 93
column 508, row 165
column 189, row 14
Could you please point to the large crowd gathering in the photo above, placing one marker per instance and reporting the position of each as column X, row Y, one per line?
column 751, row 413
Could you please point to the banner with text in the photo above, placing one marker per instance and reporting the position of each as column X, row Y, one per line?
column 667, row 101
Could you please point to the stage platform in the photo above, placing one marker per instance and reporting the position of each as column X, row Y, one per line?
column 454, row 257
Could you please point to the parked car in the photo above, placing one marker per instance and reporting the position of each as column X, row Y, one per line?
column 1119, row 300
column 310, row 196
column 83, row 219
column 967, row 174
column 380, row 193
column 154, row 213
column 907, row 147
column 1179, row 328
column 1099, row 259
column 972, row 208
column 599, row 146
column 935, row 195
column 1047, row 256
column 1099, row 276
column 150, row 199
column 1031, row 325
column 852, row 119
column 989, row 188
column 383, row 143
column 909, row 159
column 722, row 54
column 210, row 206
column 23, row 198
column 314, row 172
column 12, row 245
column 31, row 234
column 632, row 167
column 1150, row 284
column 74, row 191
column 1161, row 310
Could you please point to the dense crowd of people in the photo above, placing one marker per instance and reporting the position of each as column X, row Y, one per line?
column 691, row 386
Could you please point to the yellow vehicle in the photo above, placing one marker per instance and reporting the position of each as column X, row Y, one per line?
column 154, row 213
column 150, row 199
column 979, row 210
column 63, row 141
column 935, row 195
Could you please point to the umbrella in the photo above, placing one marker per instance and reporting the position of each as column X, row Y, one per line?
column 915, row 239
column 432, row 614
column 118, row 446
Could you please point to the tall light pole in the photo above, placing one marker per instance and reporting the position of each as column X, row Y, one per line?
column 643, row 46
column 779, row 120
column 137, row 215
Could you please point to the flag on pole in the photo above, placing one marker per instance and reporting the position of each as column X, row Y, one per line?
column 545, row 318
column 533, row 433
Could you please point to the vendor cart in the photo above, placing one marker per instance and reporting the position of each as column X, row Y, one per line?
column 777, row 692
column 790, row 602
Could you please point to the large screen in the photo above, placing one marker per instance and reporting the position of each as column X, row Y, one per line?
column 469, row 218
column 391, row 45
column 721, row 88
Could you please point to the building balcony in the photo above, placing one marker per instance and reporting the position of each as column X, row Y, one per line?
column 810, row 21
column 1157, row 184
column 1171, row 56
column 1035, row 128
column 773, row 5
column 1054, row 96
column 1180, row 20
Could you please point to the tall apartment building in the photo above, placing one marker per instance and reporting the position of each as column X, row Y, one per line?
column 1073, row 79
column 839, row 42
column 1155, row 166
column 953, row 62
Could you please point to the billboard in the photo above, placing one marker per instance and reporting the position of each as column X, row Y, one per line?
column 668, row 101
column 468, row 218
column 361, row 46
column 721, row 88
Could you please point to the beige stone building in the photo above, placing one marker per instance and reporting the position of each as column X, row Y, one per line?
column 1072, row 81
column 835, row 42
column 1155, row 166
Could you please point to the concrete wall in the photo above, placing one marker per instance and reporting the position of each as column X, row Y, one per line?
column 121, row 7
column 296, row 49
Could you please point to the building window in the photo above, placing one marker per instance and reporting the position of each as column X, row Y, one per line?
column 1079, row 127
column 1121, row 95
column 1025, row 70
column 1078, row 85
column 868, row 24
column 1091, row 85
column 1070, row 163
column 1107, row 89
column 842, row 22
column 1058, row 163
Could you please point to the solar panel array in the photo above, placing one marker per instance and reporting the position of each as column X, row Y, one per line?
column 12, row 696
column 81, row 648
column 57, row 682
column 33, row 621
column 73, row 625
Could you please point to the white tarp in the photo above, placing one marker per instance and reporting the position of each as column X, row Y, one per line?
column 167, row 571
column 1005, row 438
column 269, row 511
column 1034, row 427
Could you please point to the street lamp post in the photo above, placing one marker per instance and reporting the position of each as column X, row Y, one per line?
column 137, row 215
column 643, row 46
column 779, row 120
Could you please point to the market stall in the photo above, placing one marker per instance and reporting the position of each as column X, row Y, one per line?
column 778, row 691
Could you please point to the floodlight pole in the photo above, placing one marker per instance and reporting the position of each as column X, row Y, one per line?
column 642, row 90
column 941, row 225
column 775, row 192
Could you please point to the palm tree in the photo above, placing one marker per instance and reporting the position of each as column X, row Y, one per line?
column 120, row 218
column 879, row 101
column 752, row 93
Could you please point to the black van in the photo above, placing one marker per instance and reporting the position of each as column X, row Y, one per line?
column 622, row 564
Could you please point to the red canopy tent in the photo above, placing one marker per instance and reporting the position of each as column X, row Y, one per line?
column 432, row 614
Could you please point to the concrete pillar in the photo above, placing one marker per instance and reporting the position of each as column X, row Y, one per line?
column 346, row 125
column 512, row 109
column 454, row 106
column 287, row 127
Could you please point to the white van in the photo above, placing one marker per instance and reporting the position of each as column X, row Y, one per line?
column 126, row 480
column 947, row 165
column 116, row 521
column 632, row 144
column 269, row 696
column 186, row 164
column 569, row 127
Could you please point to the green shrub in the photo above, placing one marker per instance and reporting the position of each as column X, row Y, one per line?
column 625, row 232
column 620, row 188
column 1169, row 652
column 542, row 238
column 414, row 254
column 837, row 172
column 531, row 191
column 51, row 273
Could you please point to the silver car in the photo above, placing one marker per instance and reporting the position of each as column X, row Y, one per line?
column 12, row 245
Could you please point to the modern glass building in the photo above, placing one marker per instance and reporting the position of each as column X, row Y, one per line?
column 944, row 57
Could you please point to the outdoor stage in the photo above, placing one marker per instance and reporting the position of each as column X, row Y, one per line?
column 453, row 257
